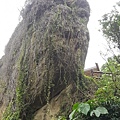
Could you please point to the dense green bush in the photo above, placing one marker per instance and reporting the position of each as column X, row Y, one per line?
column 111, row 104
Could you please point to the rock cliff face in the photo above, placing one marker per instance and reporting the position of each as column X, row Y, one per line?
column 43, row 59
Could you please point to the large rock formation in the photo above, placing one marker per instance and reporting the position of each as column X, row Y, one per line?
column 43, row 59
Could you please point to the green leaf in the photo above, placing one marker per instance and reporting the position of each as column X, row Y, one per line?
column 84, row 108
column 97, row 113
column 71, row 116
column 75, row 106
column 102, row 110
column 91, row 113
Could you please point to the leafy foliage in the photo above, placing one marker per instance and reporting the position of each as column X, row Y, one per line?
column 110, row 83
column 84, row 109
column 110, row 24
column 98, row 111
column 80, row 110
column 108, row 93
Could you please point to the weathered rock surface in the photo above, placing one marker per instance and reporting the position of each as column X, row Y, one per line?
column 45, row 54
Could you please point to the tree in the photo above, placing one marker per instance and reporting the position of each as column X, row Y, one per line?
column 110, row 24
column 111, row 79
column 110, row 27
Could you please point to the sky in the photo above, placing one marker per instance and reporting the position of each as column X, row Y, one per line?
column 97, row 42
column 9, row 18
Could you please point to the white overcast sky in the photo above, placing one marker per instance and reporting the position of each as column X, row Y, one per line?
column 9, row 15
column 97, row 42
